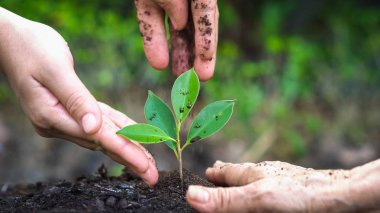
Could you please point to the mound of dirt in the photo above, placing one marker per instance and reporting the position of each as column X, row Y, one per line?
column 98, row 193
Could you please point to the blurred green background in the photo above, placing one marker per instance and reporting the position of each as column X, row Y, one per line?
column 306, row 75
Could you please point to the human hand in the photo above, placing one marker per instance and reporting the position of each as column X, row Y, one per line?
column 193, row 43
column 40, row 69
column 273, row 187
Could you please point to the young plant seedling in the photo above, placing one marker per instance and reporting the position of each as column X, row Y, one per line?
column 164, row 127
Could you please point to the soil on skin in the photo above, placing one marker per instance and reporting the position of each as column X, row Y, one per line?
column 98, row 193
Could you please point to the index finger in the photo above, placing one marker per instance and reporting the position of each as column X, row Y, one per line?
column 127, row 151
column 151, row 23
column 205, row 16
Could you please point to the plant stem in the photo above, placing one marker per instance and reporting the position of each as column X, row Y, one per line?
column 179, row 153
column 175, row 153
column 186, row 144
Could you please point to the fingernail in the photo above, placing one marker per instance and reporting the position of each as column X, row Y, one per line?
column 89, row 123
column 198, row 194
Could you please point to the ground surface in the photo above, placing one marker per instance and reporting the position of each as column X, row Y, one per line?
column 99, row 193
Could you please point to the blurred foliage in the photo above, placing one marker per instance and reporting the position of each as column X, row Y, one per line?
column 292, row 65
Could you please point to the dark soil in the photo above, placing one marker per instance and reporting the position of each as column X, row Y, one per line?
column 100, row 193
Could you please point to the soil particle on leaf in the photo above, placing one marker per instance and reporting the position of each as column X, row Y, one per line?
column 152, row 116
column 99, row 193
column 189, row 105
column 196, row 139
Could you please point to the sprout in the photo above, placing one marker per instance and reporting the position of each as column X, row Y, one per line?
column 165, row 127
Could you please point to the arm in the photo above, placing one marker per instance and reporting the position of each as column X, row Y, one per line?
column 282, row 187
column 364, row 188
column 40, row 68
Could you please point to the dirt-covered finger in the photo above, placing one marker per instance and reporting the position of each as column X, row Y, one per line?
column 228, row 174
column 205, row 15
column 151, row 23
column 205, row 68
column 182, row 48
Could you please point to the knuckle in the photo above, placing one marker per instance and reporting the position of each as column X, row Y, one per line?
column 40, row 120
column 75, row 102
column 266, row 189
column 266, row 201
column 206, row 55
column 245, row 177
column 68, row 54
column 263, row 197
column 223, row 199
column 116, row 148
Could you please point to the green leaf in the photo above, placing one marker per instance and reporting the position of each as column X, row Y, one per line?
column 184, row 93
column 158, row 113
column 210, row 120
column 144, row 133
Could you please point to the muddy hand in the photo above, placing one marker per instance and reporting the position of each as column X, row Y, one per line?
column 193, row 32
column 40, row 69
column 282, row 187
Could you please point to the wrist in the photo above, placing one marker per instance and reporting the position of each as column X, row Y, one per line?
column 7, row 21
column 364, row 186
column 8, row 17
column 10, row 24
column 333, row 195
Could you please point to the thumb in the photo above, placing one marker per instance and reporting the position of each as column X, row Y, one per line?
column 203, row 199
column 76, row 98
